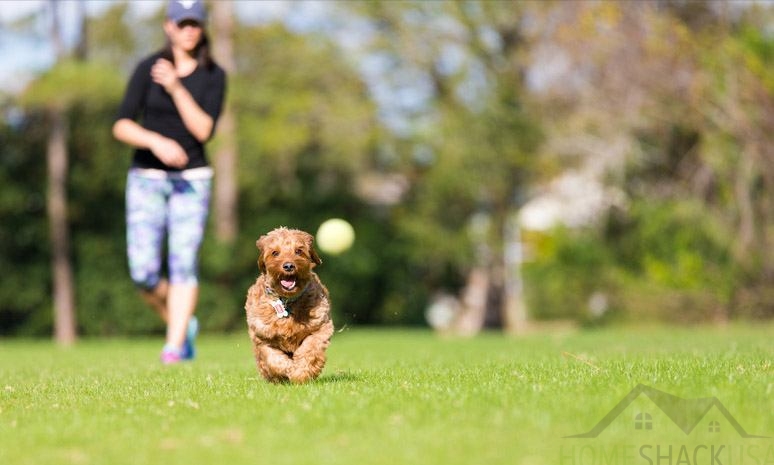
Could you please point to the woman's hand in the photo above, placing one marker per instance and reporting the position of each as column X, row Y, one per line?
column 165, row 149
column 198, row 123
column 163, row 73
column 168, row 151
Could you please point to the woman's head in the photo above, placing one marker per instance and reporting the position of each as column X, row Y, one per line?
column 185, row 35
column 184, row 27
column 186, row 10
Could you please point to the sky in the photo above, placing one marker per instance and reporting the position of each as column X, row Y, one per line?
column 24, row 55
column 27, row 54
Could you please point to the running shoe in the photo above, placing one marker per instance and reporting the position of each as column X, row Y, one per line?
column 170, row 355
column 189, row 351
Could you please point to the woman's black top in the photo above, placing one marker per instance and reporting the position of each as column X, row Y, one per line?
column 153, row 106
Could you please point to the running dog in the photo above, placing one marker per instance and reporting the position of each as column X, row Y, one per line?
column 288, row 308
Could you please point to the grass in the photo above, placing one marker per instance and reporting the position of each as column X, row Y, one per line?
column 386, row 397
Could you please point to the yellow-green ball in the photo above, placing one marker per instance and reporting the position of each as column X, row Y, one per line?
column 335, row 236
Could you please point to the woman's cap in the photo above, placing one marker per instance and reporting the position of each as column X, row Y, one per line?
column 181, row 10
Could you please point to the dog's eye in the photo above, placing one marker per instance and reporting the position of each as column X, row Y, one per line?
column 275, row 253
column 299, row 252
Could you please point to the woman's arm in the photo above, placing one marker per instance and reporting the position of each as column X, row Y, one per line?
column 165, row 149
column 196, row 120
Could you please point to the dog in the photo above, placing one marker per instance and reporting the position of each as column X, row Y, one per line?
column 288, row 308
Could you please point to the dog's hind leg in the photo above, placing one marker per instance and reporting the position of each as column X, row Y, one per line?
column 309, row 359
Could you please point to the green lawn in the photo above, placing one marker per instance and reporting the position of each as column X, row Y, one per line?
column 385, row 397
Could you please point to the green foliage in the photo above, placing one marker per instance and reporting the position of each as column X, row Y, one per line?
column 667, row 261
column 306, row 131
column 567, row 270
column 759, row 54
column 677, row 250
column 692, row 243
column 468, row 151
column 676, row 244
column 113, row 40
column 24, row 292
column 474, row 141
column 74, row 82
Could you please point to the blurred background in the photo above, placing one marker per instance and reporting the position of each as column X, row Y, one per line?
column 508, row 165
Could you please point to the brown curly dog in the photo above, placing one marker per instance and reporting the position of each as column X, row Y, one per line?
column 288, row 308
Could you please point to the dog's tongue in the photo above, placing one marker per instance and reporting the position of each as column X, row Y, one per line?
column 288, row 283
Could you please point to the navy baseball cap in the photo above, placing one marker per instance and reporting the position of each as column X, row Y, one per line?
column 181, row 10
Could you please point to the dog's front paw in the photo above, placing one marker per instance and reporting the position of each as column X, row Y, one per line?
column 306, row 367
column 274, row 364
column 301, row 376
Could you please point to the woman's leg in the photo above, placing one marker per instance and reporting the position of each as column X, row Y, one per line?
column 188, row 210
column 156, row 298
column 181, row 304
column 145, row 228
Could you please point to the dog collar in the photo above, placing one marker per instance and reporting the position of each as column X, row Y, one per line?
column 282, row 305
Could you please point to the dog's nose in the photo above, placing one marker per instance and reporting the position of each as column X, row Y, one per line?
column 287, row 266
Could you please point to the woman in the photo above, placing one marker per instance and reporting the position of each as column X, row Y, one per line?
column 177, row 94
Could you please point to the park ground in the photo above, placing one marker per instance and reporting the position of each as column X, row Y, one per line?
column 386, row 397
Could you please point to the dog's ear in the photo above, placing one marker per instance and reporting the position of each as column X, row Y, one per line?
column 260, row 243
column 312, row 252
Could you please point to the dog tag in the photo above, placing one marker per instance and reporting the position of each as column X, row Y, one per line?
column 280, row 309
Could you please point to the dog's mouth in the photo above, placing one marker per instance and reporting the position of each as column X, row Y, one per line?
column 288, row 283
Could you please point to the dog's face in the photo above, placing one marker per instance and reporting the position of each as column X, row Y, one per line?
column 287, row 257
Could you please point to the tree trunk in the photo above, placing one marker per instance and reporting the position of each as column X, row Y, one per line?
column 81, row 47
column 225, row 162
column 62, row 274
column 744, row 199
column 470, row 320
column 56, row 203
column 515, row 315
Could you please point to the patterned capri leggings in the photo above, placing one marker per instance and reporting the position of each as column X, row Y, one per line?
column 174, row 205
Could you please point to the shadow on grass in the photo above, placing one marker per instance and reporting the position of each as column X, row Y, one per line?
column 338, row 377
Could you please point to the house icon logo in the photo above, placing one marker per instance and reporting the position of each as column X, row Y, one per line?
column 686, row 414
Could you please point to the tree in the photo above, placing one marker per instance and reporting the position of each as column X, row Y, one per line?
column 226, row 156
column 57, row 161
column 469, row 153
column 690, row 151
column 70, row 83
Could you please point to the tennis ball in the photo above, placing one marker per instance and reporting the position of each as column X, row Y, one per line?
column 335, row 236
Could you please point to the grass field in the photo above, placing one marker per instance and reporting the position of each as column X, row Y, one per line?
column 386, row 397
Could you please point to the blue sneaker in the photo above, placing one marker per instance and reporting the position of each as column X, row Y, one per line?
column 189, row 351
